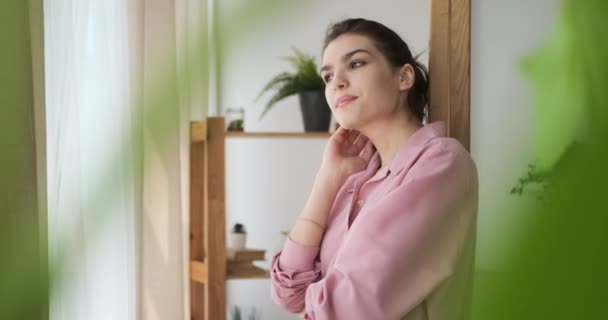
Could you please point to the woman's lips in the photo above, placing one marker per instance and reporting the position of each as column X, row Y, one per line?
column 342, row 101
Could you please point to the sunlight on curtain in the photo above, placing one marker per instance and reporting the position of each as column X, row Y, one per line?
column 89, row 118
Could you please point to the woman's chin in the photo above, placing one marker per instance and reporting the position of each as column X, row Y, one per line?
column 347, row 124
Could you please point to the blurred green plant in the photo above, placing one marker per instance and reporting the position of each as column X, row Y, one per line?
column 235, row 313
column 558, row 271
column 305, row 78
column 532, row 178
column 238, row 228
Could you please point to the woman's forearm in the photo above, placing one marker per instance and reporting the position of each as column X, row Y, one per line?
column 310, row 226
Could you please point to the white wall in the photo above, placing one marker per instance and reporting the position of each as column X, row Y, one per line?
column 268, row 180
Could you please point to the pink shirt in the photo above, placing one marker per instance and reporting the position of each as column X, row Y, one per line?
column 409, row 251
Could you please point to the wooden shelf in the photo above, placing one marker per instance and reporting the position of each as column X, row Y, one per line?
column 199, row 273
column 256, row 273
column 277, row 134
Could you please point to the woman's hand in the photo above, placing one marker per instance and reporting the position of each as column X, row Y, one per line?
column 347, row 152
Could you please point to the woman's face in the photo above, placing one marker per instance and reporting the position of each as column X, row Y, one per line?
column 361, row 86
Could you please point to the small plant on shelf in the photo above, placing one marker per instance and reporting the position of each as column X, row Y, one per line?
column 238, row 228
column 237, row 314
column 239, row 236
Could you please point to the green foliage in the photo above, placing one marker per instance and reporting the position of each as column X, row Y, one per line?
column 235, row 125
column 238, row 228
column 557, row 266
column 236, row 313
column 532, row 178
column 305, row 78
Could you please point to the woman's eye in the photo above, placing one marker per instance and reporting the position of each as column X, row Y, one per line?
column 356, row 64
column 327, row 78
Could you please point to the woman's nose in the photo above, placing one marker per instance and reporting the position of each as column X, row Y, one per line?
column 340, row 82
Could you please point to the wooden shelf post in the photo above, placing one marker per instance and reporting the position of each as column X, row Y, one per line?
column 207, row 221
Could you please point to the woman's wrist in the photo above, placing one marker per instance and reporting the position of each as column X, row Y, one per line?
column 313, row 221
column 330, row 178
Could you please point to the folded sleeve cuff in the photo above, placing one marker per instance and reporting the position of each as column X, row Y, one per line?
column 297, row 257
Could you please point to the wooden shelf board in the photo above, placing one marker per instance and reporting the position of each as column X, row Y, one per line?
column 277, row 134
column 199, row 273
column 258, row 274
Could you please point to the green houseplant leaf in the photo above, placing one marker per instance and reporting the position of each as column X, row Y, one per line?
column 285, row 84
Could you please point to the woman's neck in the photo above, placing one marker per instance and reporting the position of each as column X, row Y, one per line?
column 390, row 133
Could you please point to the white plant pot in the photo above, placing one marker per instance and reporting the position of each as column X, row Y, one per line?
column 238, row 240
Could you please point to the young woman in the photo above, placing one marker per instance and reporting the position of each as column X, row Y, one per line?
column 388, row 231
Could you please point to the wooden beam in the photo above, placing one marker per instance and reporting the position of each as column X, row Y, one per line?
column 215, row 221
column 197, row 204
column 199, row 272
column 198, row 131
column 460, row 44
column 439, row 62
column 449, row 66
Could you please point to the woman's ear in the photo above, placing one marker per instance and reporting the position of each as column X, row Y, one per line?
column 407, row 76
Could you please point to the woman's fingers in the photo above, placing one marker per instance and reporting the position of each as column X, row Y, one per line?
column 341, row 135
column 367, row 152
column 360, row 141
column 353, row 136
column 353, row 143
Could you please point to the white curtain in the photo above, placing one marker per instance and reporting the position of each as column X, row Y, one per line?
column 89, row 142
column 118, row 108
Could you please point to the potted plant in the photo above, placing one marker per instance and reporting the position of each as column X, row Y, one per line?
column 235, row 117
column 307, row 83
column 238, row 236
column 237, row 313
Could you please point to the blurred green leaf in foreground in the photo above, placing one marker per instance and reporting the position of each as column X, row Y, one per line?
column 560, row 270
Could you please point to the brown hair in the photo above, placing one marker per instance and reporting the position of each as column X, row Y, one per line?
column 395, row 50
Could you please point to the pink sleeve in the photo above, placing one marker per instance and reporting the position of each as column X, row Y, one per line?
column 292, row 271
column 402, row 247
